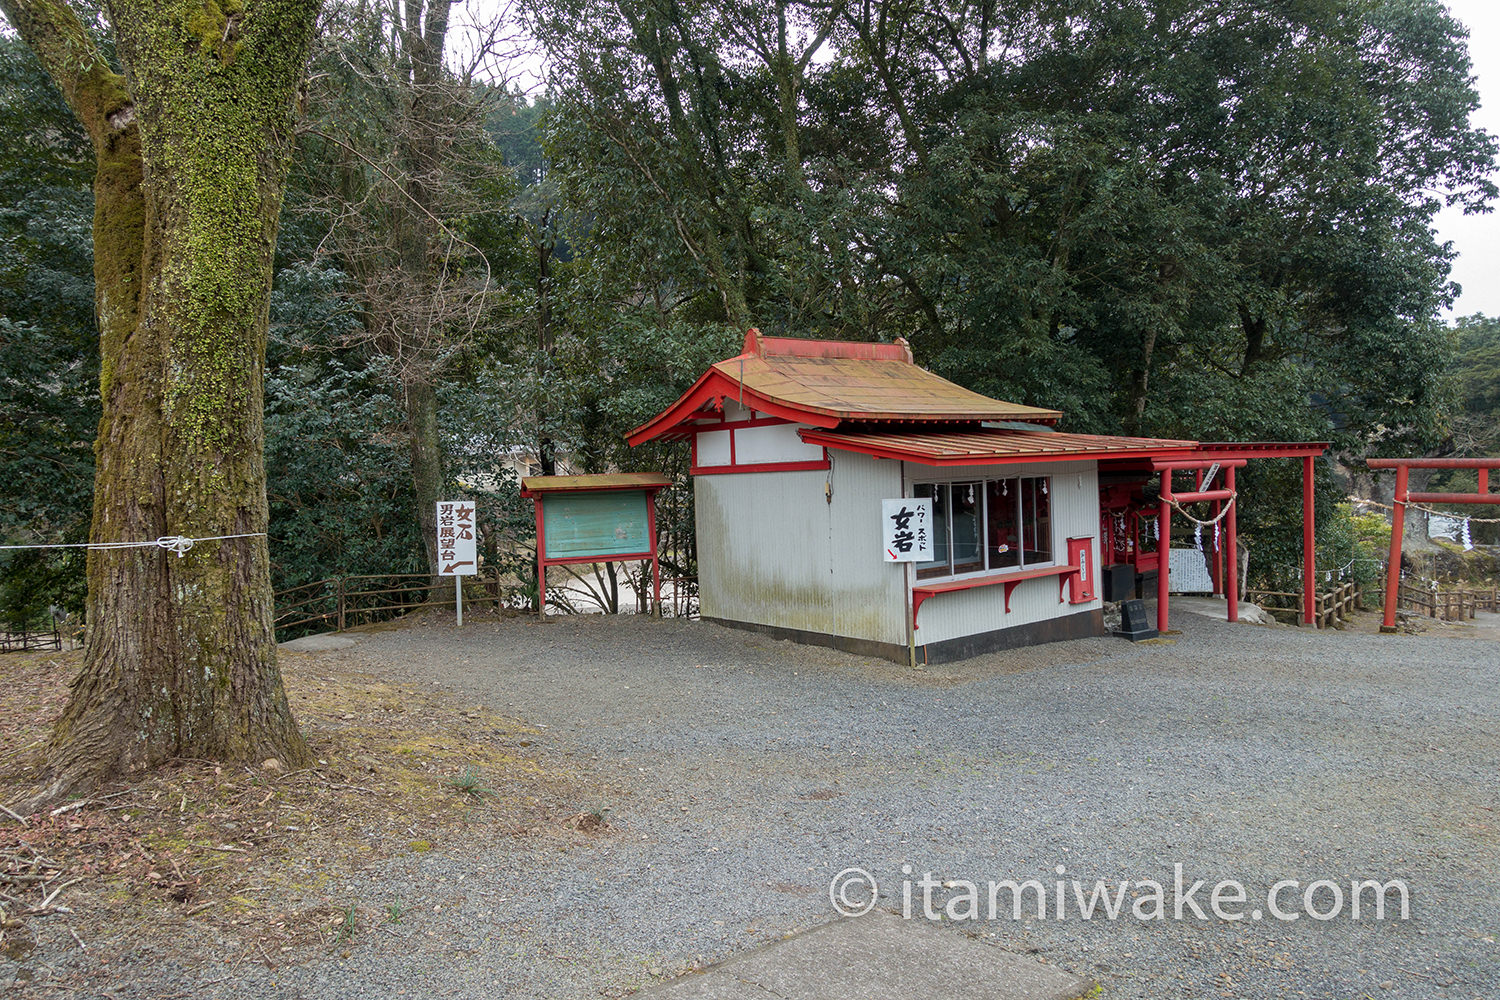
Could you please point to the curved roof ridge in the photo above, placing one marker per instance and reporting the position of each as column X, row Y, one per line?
column 758, row 344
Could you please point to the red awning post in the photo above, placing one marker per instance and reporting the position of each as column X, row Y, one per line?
column 1393, row 564
column 541, row 562
column 1231, row 546
column 1164, row 550
column 655, row 550
column 1309, row 546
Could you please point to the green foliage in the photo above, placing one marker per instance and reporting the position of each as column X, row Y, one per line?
column 49, row 357
column 1476, row 383
column 348, row 925
column 1161, row 216
column 1164, row 217
column 1371, row 531
column 471, row 784
column 1354, row 546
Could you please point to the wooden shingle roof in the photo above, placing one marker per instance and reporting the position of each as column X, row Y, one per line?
column 825, row 383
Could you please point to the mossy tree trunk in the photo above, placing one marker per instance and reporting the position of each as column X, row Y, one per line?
column 192, row 142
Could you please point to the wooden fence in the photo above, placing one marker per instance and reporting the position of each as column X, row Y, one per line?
column 1334, row 606
column 20, row 642
column 1447, row 605
column 1330, row 608
column 342, row 602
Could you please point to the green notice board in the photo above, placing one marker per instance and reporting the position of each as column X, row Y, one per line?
column 603, row 523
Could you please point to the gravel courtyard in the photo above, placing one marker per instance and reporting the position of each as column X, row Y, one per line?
column 746, row 772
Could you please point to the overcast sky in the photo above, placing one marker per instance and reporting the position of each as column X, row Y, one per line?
column 1477, row 237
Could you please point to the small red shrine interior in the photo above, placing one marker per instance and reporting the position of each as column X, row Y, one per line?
column 1135, row 529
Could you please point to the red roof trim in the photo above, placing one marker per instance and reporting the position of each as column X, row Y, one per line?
column 724, row 381
column 1083, row 447
column 1263, row 449
column 758, row 344
column 678, row 412
column 713, row 386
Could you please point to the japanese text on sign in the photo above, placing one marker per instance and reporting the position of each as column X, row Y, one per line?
column 906, row 530
column 455, row 538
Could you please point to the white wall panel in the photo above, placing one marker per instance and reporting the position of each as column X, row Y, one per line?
column 773, row 551
column 713, row 447
column 773, row 443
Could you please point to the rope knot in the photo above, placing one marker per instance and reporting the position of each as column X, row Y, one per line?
column 175, row 543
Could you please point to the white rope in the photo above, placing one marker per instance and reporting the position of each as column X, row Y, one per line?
column 1425, row 509
column 1213, row 520
column 172, row 543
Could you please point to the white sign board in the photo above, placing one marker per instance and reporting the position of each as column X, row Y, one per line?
column 455, row 538
column 906, row 529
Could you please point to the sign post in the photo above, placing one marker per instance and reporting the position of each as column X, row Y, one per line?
column 906, row 537
column 457, row 551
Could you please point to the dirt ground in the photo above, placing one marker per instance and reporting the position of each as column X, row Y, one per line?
column 248, row 857
column 590, row 806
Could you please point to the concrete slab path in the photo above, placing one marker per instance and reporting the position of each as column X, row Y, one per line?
column 877, row 957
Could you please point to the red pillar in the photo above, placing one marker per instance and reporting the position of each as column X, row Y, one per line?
column 1163, row 551
column 1230, row 549
column 1309, row 546
column 541, row 564
column 655, row 555
column 1393, row 566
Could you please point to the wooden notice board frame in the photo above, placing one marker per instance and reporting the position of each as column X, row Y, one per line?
column 595, row 519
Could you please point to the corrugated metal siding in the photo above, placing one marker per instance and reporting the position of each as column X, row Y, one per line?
column 1075, row 514
column 772, row 551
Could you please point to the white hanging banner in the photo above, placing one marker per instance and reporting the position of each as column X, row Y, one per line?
column 906, row 529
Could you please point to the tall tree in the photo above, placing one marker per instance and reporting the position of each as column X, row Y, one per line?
column 191, row 134
column 399, row 162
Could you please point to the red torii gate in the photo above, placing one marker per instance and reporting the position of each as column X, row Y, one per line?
column 1231, row 455
column 1404, row 496
column 1169, row 497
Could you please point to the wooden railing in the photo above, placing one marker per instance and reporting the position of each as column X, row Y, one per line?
column 1337, row 605
column 341, row 602
column 1330, row 608
column 1276, row 601
column 30, row 639
column 1447, row 605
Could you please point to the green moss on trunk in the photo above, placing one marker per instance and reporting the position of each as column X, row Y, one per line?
column 191, row 165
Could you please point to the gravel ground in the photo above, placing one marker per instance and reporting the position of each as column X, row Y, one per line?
column 747, row 771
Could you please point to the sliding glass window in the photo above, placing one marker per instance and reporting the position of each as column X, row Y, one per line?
column 988, row 526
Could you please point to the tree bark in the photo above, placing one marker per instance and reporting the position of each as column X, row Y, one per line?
column 426, row 453
column 424, row 35
column 1140, row 383
column 192, row 146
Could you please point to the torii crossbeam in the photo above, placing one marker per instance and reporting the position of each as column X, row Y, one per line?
column 1404, row 496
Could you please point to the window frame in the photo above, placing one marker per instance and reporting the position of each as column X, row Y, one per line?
column 982, row 483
